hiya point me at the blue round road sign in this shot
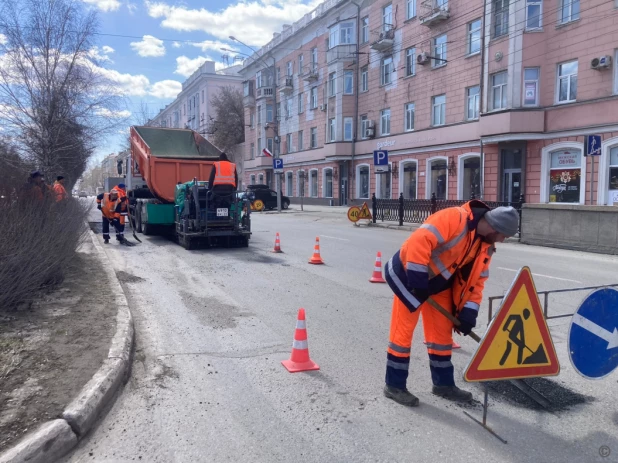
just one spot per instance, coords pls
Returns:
(593, 335)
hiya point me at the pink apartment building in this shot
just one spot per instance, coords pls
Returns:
(497, 107)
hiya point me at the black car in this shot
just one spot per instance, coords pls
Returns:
(267, 196)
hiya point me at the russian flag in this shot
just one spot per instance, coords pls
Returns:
(265, 152)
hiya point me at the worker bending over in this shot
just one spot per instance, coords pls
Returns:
(114, 209)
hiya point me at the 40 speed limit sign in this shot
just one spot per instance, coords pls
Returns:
(354, 214)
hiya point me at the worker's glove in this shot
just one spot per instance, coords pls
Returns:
(98, 206)
(464, 327)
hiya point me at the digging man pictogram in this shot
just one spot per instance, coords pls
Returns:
(517, 337)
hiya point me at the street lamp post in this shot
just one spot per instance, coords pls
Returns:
(276, 118)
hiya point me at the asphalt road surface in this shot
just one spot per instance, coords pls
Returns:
(213, 325)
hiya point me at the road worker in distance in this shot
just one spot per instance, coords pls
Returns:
(446, 259)
(114, 209)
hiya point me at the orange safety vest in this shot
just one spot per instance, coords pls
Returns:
(121, 192)
(113, 209)
(225, 173)
(445, 252)
(59, 191)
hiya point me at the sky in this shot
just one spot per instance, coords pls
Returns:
(150, 47)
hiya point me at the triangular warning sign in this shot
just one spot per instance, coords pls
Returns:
(517, 343)
(364, 212)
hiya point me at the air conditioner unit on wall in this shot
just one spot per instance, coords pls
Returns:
(602, 62)
(422, 58)
(370, 132)
(322, 107)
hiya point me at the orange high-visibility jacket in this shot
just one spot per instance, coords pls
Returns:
(59, 191)
(121, 192)
(445, 252)
(225, 173)
(112, 209)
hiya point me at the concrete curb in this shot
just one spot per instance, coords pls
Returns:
(55, 438)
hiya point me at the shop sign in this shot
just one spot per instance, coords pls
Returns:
(564, 186)
(565, 159)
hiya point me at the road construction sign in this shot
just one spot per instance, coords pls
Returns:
(517, 343)
(364, 212)
(353, 214)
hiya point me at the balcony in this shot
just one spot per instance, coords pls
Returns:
(434, 12)
(341, 53)
(286, 86)
(385, 41)
(310, 73)
(264, 92)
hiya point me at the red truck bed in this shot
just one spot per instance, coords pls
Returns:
(168, 156)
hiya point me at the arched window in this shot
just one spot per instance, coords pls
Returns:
(260, 179)
(469, 176)
(288, 184)
(384, 183)
(362, 181)
(327, 182)
(408, 178)
(437, 178)
(300, 183)
(608, 173)
(564, 173)
(253, 180)
(313, 183)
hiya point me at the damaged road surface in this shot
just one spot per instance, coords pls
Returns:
(213, 325)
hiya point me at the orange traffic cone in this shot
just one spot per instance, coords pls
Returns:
(277, 244)
(299, 360)
(377, 270)
(453, 346)
(316, 259)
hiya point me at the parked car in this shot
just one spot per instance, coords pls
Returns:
(267, 196)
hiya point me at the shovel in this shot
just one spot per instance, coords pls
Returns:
(132, 224)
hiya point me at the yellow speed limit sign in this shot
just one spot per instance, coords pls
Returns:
(354, 213)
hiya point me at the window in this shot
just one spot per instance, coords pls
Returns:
(498, 90)
(565, 173)
(314, 97)
(288, 184)
(252, 151)
(363, 182)
(439, 51)
(471, 181)
(474, 37)
(569, 10)
(385, 122)
(437, 178)
(409, 180)
(385, 70)
(501, 17)
(410, 61)
(301, 64)
(288, 143)
(259, 147)
(270, 145)
(567, 82)
(202, 96)
(342, 34)
(313, 183)
(288, 107)
(383, 184)
(290, 68)
(332, 130)
(534, 10)
(438, 110)
(365, 30)
(364, 124)
(314, 59)
(328, 183)
(410, 9)
(258, 79)
(278, 76)
(300, 103)
(409, 122)
(613, 172)
(348, 124)
(252, 180)
(332, 84)
(364, 78)
(252, 119)
(314, 137)
(279, 110)
(531, 86)
(261, 179)
(348, 82)
(387, 18)
(472, 98)
(615, 73)
(269, 113)
(300, 140)
(259, 115)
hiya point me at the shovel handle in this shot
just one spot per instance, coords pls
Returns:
(450, 316)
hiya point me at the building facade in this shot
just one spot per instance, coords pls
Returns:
(192, 108)
(491, 98)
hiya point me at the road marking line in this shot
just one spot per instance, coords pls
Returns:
(334, 238)
(541, 275)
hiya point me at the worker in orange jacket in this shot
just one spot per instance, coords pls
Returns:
(446, 259)
(59, 190)
(121, 189)
(223, 173)
(114, 210)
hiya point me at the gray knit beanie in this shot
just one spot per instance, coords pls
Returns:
(504, 220)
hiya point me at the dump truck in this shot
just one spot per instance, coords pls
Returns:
(167, 175)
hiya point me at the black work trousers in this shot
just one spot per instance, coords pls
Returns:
(119, 229)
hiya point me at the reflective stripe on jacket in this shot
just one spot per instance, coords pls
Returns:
(112, 209)
(225, 173)
(445, 252)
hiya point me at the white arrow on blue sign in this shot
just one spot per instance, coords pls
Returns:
(277, 164)
(593, 145)
(593, 335)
